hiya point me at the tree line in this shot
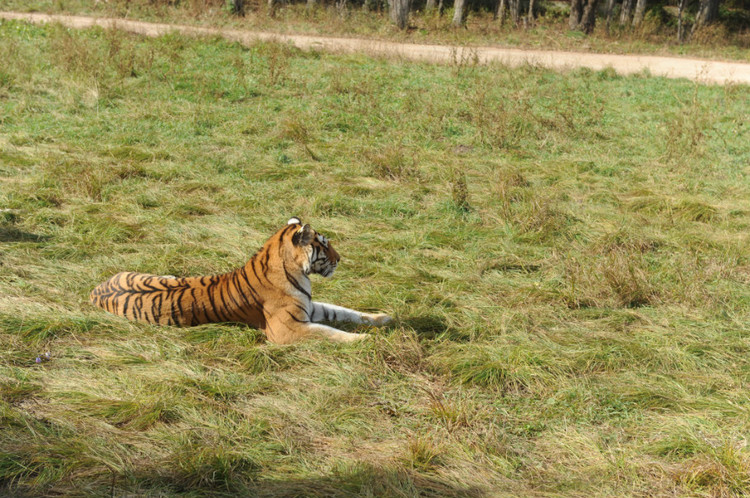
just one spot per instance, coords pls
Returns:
(692, 14)
(583, 14)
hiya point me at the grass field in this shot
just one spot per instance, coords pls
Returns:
(729, 39)
(566, 256)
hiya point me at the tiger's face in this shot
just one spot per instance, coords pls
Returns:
(324, 258)
(317, 253)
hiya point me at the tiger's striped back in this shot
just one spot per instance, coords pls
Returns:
(179, 301)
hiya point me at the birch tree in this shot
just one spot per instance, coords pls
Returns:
(708, 12)
(530, 14)
(576, 10)
(515, 11)
(640, 11)
(399, 12)
(500, 12)
(458, 13)
(588, 20)
(582, 15)
(627, 6)
(610, 9)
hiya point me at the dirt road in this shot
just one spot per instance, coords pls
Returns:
(704, 71)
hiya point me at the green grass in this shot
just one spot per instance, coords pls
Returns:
(566, 256)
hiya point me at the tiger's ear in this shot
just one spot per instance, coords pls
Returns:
(294, 221)
(303, 236)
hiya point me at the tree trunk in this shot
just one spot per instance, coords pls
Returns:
(515, 11)
(238, 7)
(680, 29)
(500, 12)
(588, 20)
(576, 9)
(399, 12)
(430, 6)
(458, 13)
(272, 7)
(707, 13)
(610, 9)
(640, 11)
(441, 7)
(625, 12)
(530, 16)
(311, 4)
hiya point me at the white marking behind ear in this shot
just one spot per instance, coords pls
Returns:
(294, 221)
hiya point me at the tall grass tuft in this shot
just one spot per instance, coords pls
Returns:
(460, 191)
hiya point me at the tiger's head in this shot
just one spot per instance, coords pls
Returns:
(313, 251)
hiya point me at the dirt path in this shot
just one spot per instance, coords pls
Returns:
(704, 71)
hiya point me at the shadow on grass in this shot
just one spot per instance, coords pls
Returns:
(10, 234)
(371, 482)
(42, 464)
(362, 480)
(363, 483)
(426, 326)
(432, 326)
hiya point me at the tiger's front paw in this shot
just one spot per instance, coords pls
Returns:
(378, 319)
(357, 337)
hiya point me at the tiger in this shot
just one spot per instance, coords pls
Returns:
(271, 292)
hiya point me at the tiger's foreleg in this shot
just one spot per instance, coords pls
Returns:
(332, 313)
(334, 333)
(287, 326)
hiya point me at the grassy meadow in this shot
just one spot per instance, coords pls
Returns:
(566, 255)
